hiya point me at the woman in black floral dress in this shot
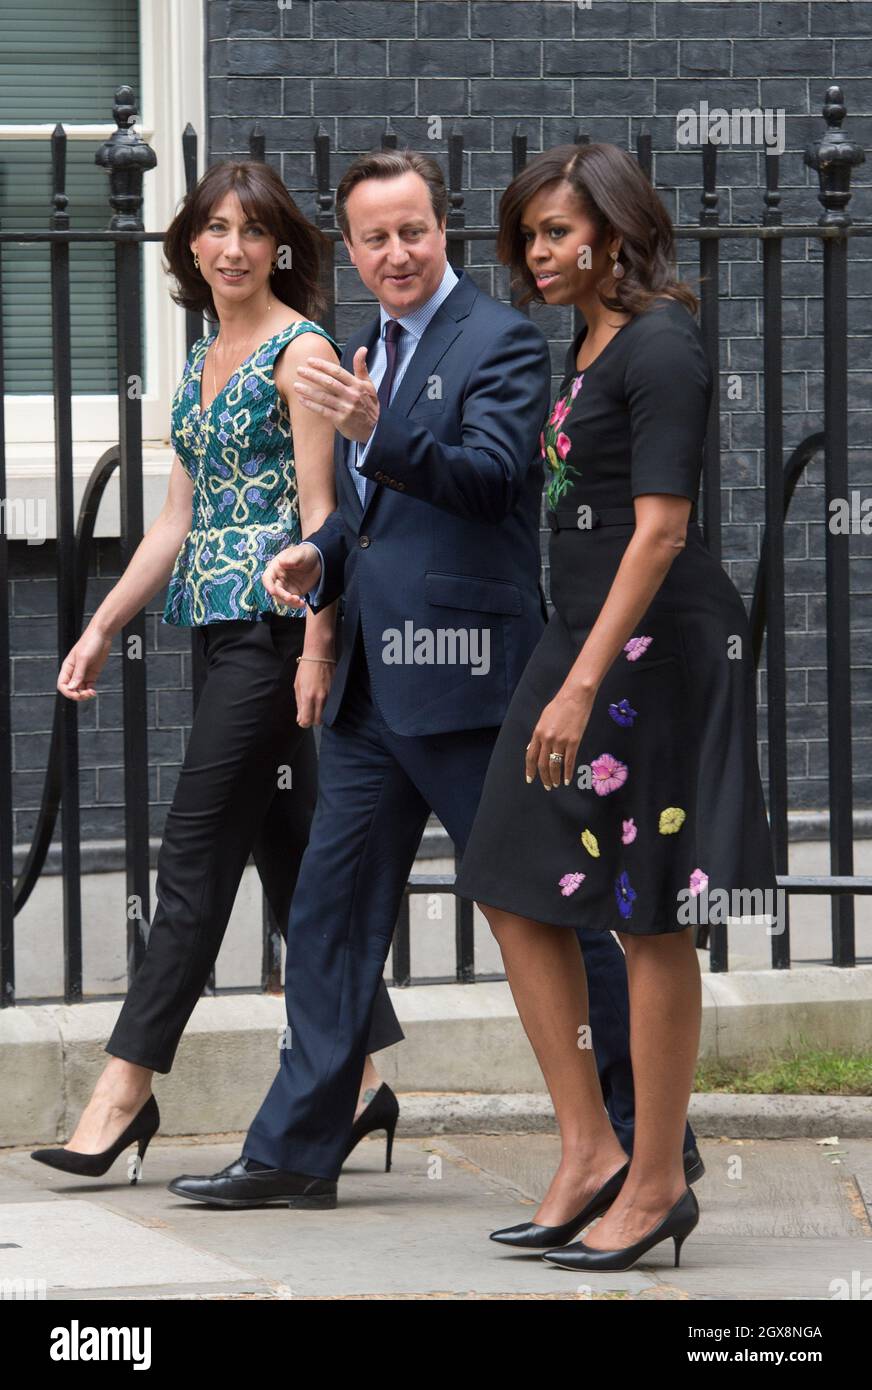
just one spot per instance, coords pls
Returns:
(623, 792)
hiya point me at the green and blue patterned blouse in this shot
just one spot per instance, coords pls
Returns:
(239, 454)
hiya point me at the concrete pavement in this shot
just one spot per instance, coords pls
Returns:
(783, 1219)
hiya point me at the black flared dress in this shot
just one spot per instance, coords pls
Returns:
(663, 823)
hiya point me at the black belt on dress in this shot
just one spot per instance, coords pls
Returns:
(565, 520)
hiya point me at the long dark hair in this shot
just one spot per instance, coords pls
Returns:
(263, 197)
(614, 193)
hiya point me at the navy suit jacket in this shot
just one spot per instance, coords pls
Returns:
(447, 539)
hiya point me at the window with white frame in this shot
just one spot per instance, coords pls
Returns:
(63, 63)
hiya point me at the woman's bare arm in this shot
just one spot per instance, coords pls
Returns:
(313, 459)
(661, 528)
(149, 569)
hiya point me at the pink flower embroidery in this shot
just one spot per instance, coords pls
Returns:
(576, 386)
(542, 444)
(630, 832)
(608, 774)
(698, 881)
(570, 882)
(636, 646)
(564, 444)
(559, 413)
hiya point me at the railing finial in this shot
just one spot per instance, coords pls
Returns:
(834, 156)
(125, 156)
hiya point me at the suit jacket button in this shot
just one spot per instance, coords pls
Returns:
(363, 542)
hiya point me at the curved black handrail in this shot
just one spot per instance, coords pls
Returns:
(793, 469)
(795, 466)
(51, 790)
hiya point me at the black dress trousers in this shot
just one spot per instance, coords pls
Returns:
(228, 804)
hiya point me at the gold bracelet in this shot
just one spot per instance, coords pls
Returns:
(331, 659)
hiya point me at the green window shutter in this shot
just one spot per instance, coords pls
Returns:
(60, 63)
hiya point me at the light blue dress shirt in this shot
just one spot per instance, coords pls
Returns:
(414, 324)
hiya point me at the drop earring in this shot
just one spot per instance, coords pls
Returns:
(196, 260)
(617, 268)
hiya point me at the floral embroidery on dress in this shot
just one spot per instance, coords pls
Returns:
(570, 882)
(698, 881)
(609, 773)
(629, 832)
(590, 842)
(636, 646)
(623, 713)
(625, 894)
(555, 445)
(671, 820)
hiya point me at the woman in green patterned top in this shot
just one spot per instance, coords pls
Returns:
(252, 473)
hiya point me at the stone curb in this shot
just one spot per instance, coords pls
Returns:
(465, 1060)
(712, 1115)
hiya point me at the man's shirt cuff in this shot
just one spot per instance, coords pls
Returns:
(314, 595)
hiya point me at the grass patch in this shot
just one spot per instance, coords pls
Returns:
(798, 1071)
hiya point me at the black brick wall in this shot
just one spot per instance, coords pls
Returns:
(553, 67)
(35, 667)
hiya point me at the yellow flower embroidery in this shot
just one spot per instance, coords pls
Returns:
(671, 819)
(589, 841)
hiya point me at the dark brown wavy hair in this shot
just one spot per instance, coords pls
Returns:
(614, 193)
(264, 198)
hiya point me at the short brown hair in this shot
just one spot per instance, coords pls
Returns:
(613, 191)
(263, 198)
(391, 164)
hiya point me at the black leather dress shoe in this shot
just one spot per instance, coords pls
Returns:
(240, 1186)
(693, 1164)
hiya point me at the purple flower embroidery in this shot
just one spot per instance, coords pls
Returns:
(698, 881)
(609, 773)
(625, 894)
(570, 882)
(576, 385)
(623, 713)
(629, 832)
(636, 646)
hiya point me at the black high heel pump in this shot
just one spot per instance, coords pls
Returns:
(382, 1112)
(140, 1131)
(529, 1235)
(678, 1223)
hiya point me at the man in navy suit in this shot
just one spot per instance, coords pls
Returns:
(435, 548)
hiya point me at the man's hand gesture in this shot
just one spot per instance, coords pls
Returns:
(350, 401)
(292, 573)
